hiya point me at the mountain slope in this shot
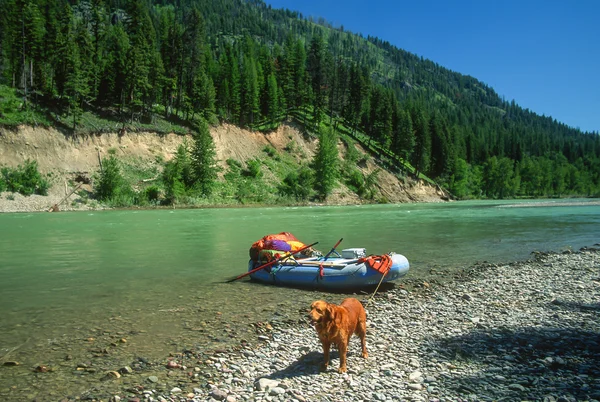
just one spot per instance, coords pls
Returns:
(239, 62)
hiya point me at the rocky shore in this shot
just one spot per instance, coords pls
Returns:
(510, 332)
(15, 202)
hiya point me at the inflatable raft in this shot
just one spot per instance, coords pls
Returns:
(336, 273)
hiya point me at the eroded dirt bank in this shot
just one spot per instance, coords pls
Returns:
(67, 158)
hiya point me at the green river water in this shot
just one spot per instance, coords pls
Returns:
(73, 284)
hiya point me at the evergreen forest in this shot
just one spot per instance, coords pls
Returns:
(199, 62)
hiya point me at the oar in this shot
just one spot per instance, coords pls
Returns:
(333, 249)
(268, 264)
(322, 266)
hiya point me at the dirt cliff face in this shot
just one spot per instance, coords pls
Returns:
(66, 157)
(59, 154)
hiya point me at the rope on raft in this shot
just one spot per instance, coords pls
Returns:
(381, 264)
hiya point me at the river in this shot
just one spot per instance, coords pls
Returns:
(154, 279)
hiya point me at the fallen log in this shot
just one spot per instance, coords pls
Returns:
(54, 208)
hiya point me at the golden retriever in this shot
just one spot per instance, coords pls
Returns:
(336, 324)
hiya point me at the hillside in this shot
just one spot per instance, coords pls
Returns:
(91, 67)
(70, 160)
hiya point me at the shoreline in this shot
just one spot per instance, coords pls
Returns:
(526, 330)
(18, 203)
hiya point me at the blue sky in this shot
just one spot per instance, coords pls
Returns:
(543, 54)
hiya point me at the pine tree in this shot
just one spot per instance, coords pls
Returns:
(441, 148)
(339, 88)
(98, 33)
(272, 97)
(204, 160)
(222, 87)
(171, 52)
(326, 164)
(73, 78)
(380, 117)
(317, 70)
(422, 151)
(250, 92)
(87, 67)
(184, 165)
(8, 42)
(140, 56)
(287, 69)
(111, 183)
(234, 96)
(354, 107)
(75, 87)
(268, 69)
(173, 182)
(114, 80)
(193, 59)
(34, 32)
(403, 138)
(203, 95)
(499, 180)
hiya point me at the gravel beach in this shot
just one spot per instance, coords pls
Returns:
(509, 332)
(15, 202)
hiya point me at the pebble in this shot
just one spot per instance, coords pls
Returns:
(113, 374)
(125, 370)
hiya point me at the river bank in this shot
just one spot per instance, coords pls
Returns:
(518, 331)
(15, 202)
(67, 161)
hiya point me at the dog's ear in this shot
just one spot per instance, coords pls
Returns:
(331, 311)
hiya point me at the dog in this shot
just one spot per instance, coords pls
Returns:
(336, 324)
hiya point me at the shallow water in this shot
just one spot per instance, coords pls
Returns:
(74, 282)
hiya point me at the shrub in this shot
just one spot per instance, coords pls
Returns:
(234, 163)
(151, 194)
(269, 150)
(25, 179)
(370, 184)
(355, 181)
(173, 182)
(297, 184)
(111, 184)
(10, 102)
(292, 147)
(125, 198)
(234, 170)
(254, 169)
